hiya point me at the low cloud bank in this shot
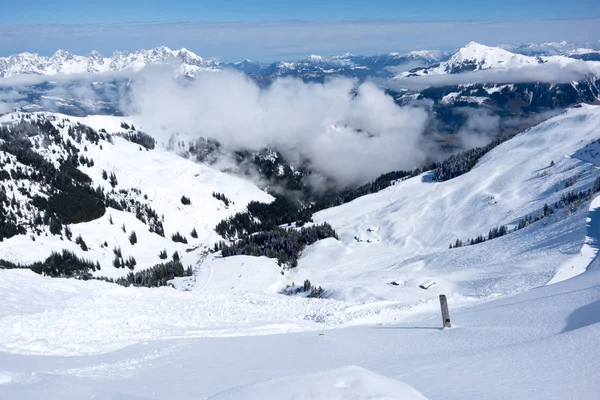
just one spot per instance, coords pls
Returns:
(544, 73)
(348, 132)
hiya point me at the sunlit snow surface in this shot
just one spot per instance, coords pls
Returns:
(233, 336)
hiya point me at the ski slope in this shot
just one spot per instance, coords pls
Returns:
(230, 334)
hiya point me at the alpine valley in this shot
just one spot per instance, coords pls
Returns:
(166, 241)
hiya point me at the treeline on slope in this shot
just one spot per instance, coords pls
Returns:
(156, 276)
(141, 138)
(285, 244)
(258, 229)
(71, 198)
(286, 209)
(67, 264)
(571, 202)
(461, 163)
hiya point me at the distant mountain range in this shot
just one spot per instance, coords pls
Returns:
(510, 98)
(313, 68)
(188, 63)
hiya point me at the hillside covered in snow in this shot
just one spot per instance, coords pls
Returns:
(336, 294)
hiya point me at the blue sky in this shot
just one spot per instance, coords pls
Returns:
(268, 30)
(119, 11)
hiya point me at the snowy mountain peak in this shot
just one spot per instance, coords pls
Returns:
(488, 57)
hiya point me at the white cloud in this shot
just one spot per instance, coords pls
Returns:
(479, 129)
(319, 122)
(545, 73)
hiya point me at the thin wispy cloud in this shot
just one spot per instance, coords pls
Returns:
(544, 73)
(268, 41)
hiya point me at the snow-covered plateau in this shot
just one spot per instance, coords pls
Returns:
(524, 306)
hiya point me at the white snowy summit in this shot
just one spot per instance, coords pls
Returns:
(475, 56)
(64, 62)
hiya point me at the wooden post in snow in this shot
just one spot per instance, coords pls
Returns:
(445, 312)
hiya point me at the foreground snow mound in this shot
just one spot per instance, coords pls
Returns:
(346, 383)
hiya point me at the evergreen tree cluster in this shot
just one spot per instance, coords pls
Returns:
(156, 276)
(494, 233)
(286, 210)
(281, 243)
(71, 198)
(222, 197)
(177, 237)
(185, 201)
(307, 289)
(121, 262)
(59, 265)
(141, 138)
(79, 240)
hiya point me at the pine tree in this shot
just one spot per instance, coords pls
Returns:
(163, 254)
(113, 180)
(176, 256)
(133, 238)
(55, 226)
(177, 237)
(68, 233)
(194, 234)
(81, 243)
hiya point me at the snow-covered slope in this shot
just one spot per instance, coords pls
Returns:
(157, 178)
(537, 341)
(537, 344)
(402, 233)
(63, 62)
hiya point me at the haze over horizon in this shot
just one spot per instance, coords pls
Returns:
(265, 30)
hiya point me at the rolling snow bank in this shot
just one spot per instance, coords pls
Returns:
(347, 383)
(539, 344)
